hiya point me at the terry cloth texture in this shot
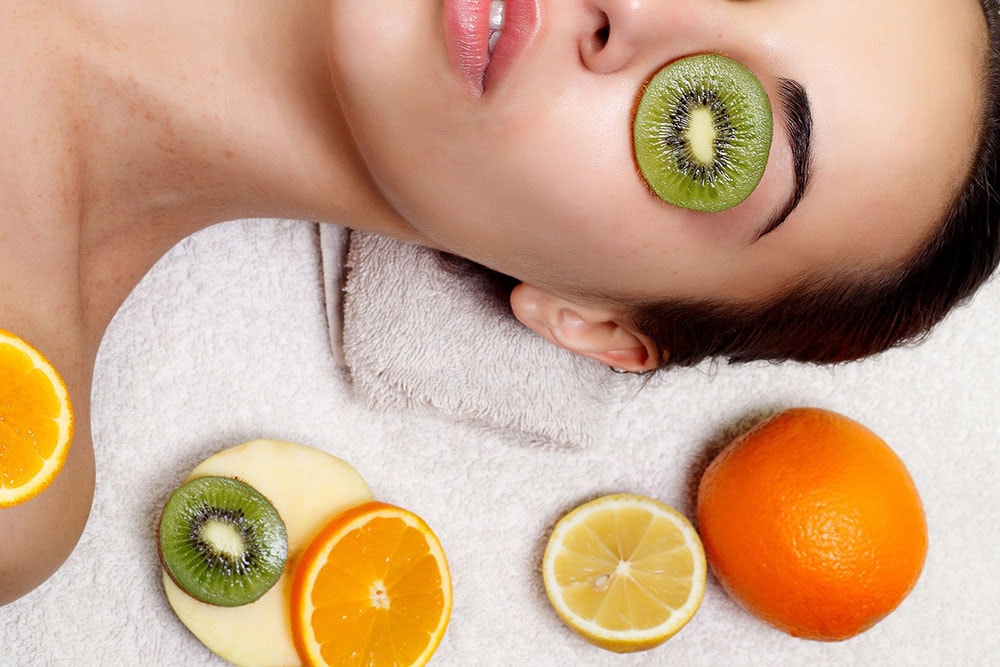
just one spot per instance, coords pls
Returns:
(415, 333)
(227, 339)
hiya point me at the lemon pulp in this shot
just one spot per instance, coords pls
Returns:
(624, 571)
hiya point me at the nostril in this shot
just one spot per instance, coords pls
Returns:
(605, 53)
(597, 50)
(603, 33)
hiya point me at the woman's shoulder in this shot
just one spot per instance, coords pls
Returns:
(41, 302)
(38, 305)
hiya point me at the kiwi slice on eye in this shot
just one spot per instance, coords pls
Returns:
(222, 541)
(702, 133)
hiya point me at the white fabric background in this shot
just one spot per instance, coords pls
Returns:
(226, 341)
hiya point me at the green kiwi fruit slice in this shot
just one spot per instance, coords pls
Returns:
(222, 541)
(702, 133)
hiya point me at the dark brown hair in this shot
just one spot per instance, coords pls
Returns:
(842, 320)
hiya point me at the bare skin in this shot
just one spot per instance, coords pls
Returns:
(128, 126)
(107, 166)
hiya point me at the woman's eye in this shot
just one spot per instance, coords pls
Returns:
(702, 133)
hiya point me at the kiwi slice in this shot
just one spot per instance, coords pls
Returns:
(222, 541)
(702, 133)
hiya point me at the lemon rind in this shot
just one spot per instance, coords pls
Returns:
(632, 639)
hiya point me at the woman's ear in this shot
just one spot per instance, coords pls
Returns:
(596, 332)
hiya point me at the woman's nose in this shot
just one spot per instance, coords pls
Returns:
(627, 32)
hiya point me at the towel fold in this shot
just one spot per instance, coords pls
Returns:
(413, 333)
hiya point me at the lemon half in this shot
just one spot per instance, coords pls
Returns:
(626, 572)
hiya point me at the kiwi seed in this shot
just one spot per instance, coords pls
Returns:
(702, 133)
(222, 541)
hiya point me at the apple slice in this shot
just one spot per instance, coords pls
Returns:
(308, 487)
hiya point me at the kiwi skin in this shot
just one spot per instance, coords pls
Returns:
(741, 116)
(204, 570)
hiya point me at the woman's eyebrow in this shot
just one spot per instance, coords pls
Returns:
(798, 125)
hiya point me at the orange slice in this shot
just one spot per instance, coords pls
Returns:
(36, 421)
(373, 588)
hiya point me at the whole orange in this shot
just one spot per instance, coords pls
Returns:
(812, 523)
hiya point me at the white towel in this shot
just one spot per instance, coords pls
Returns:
(416, 334)
(227, 340)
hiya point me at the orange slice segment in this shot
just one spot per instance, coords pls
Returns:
(373, 588)
(36, 421)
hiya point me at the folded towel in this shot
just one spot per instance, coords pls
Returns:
(414, 333)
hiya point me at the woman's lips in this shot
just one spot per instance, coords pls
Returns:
(474, 27)
(465, 23)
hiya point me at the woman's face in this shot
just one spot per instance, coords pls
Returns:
(530, 169)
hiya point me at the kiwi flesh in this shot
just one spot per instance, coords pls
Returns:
(221, 541)
(702, 133)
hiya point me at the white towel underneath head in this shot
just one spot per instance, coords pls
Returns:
(416, 334)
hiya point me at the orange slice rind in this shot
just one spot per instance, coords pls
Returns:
(372, 589)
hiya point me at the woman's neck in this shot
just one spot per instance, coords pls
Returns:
(135, 124)
(196, 112)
